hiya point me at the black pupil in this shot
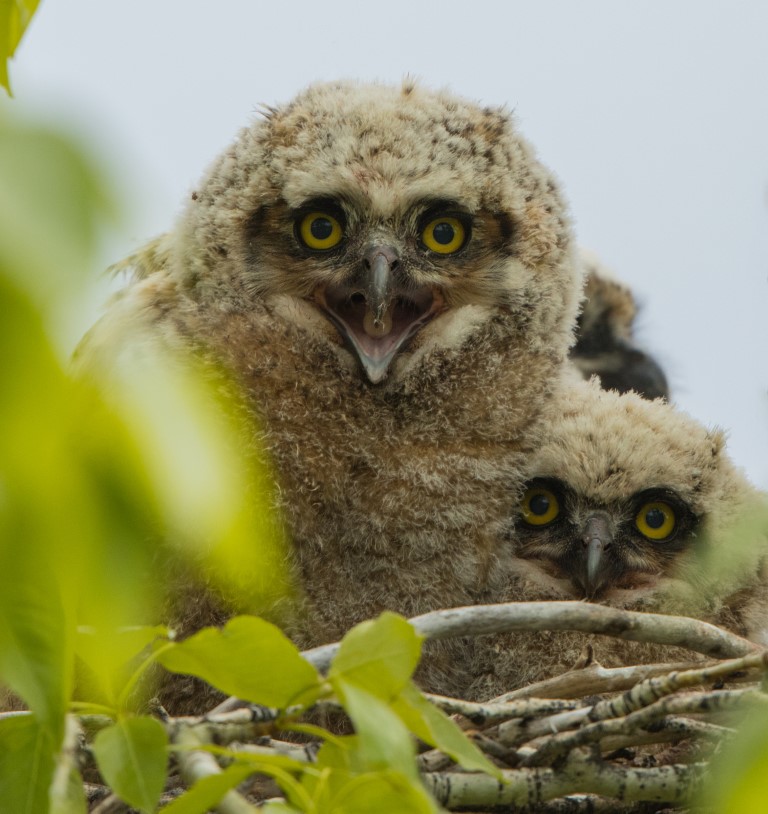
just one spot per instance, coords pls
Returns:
(443, 233)
(539, 505)
(321, 228)
(655, 518)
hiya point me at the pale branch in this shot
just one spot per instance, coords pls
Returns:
(489, 712)
(521, 730)
(667, 730)
(243, 723)
(195, 764)
(515, 732)
(481, 620)
(306, 753)
(652, 689)
(689, 704)
(433, 760)
(577, 774)
(594, 679)
(573, 804)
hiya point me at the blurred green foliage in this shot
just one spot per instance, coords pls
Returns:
(738, 782)
(97, 474)
(15, 16)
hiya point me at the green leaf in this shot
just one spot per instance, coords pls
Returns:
(284, 770)
(384, 793)
(15, 16)
(378, 655)
(132, 757)
(206, 793)
(27, 763)
(105, 657)
(335, 765)
(383, 742)
(343, 783)
(736, 781)
(35, 636)
(249, 658)
(434, 727)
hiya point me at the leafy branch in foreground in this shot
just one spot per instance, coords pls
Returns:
(525, 752)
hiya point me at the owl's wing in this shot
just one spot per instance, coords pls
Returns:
(152, 257)
(128, 326)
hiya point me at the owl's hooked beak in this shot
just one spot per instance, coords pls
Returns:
(377, 313)
(595, 567)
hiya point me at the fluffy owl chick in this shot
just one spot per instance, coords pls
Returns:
(633, 504)
(606, 345)
(388, 274)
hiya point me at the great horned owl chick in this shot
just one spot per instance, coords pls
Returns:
(388, 274)
(606, 345)
(630, 503)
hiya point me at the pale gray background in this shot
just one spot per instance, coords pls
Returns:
(654, 115)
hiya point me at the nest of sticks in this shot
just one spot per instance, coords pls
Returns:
(594, 739)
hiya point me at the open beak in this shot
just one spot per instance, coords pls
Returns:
(376, 313)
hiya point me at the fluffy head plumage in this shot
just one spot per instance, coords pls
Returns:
(382, 159)
(610, 453)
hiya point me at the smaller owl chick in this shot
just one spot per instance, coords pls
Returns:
(633, 504)
(605, 336)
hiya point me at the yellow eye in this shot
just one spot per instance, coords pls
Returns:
(656, 520)
(540, 506)
(320, 231)
(444, 235)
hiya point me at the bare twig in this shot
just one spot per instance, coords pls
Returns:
(242, 724)
(594, 679)
(691, 703)
(302, 753)
(491, 711)
(667, 730)
(519, 731)
(646, 692)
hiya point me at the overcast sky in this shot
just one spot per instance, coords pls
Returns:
(654, 115)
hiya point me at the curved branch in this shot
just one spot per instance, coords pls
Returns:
(481, 620)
